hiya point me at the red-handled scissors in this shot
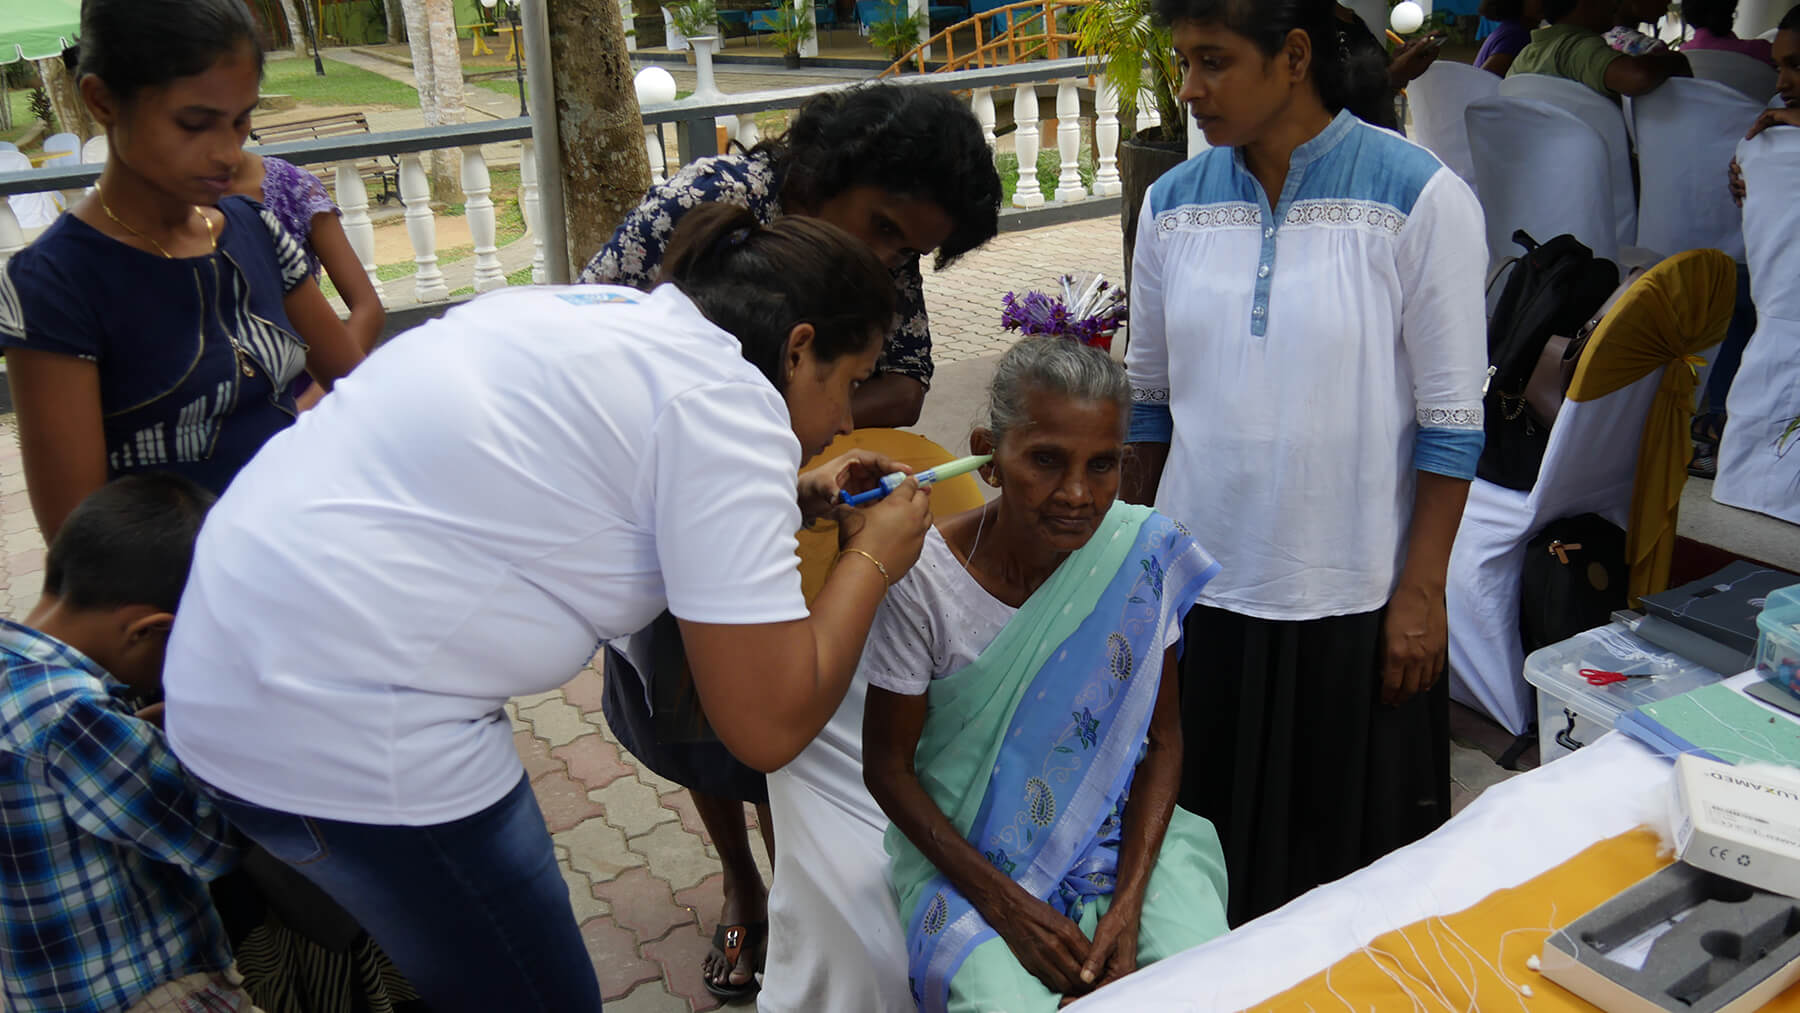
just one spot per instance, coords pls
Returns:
(1601, 677)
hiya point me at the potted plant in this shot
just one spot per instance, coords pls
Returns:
(688, 20)
(1136, 56)
(793, 27)
(897, 30)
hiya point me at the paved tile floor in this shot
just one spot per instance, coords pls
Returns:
(643, 875)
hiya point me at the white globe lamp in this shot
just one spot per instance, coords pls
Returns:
(1407, 18)
(655, 86)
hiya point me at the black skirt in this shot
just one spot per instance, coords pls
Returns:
(1289, 750)
(675, 740)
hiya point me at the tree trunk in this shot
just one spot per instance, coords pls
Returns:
(396, 21)
(599, 128)
(418, 40)
(65, 99)
(437, 72)
(295, 25)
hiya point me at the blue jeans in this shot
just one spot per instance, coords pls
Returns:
(474, 912)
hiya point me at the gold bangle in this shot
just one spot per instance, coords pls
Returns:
(884, 574)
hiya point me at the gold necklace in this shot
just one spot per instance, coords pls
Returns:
(210, 234)
(237, 350)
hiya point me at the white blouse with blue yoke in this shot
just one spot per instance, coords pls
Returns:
(1303, 362)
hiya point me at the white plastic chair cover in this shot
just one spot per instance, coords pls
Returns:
(94, 151)
(8, 146)
(33, 210)
(1756, 470)
(1608, 121)
(835, 941)
(1586, 469)
(1439, 98)
(1742, 73)
(62, 148)
(1541, 169)
(1688, 131)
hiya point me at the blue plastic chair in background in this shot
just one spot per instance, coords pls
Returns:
(944, 15)
(999, 23)
(870, 13)
(735, 24)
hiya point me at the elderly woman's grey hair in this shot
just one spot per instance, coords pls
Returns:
(1052, 365)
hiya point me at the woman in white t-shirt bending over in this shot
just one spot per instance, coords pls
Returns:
(499, 490)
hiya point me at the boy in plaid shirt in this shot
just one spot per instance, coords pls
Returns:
(105, 843)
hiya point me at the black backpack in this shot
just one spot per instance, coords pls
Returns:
(1575, 577)
(1555, 288)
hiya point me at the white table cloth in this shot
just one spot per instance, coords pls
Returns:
(1514, 832)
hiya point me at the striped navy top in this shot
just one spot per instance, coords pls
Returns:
(195, 354)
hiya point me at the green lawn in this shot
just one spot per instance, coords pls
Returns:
(342, 85)
(21, 115)
(504, 86)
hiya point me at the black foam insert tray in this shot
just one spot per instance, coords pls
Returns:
(1724, 946)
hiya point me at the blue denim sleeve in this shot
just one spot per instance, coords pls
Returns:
(1150, 424)
(1449, 452)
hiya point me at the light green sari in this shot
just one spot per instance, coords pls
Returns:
(1030, 751)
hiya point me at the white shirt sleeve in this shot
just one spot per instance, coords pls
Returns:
(898, 656)
(725, 505)
(1442, 260)
(1147, 355)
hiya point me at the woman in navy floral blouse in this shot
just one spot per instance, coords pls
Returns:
(907, 171)
(903, 169)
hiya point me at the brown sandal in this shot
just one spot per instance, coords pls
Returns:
(730, 942)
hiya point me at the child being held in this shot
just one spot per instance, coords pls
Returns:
(107, 845)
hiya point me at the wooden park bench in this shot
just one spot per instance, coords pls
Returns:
(384, 169)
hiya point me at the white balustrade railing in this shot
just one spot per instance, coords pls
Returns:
(697, 123)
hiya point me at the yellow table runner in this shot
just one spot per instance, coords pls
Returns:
(1456, 963)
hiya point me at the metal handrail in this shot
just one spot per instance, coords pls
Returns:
(1036, 42)
(333, 149)
(693, 117)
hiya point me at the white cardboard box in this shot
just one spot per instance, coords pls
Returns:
(1743, 825)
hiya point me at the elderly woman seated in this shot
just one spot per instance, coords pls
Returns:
(1022, 727)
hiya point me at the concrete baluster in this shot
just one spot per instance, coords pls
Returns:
(982, 102)
(1068, 143)
(421, 228)
(1106, 137)
(1148, 114)
(353, 201)
(478, 206)
(12, 237)
(529, 203)
(1025, 141)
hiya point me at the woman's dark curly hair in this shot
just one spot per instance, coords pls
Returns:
(911, 140)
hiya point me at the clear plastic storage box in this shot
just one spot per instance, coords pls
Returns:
(1572, 712)
(1778, 639)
